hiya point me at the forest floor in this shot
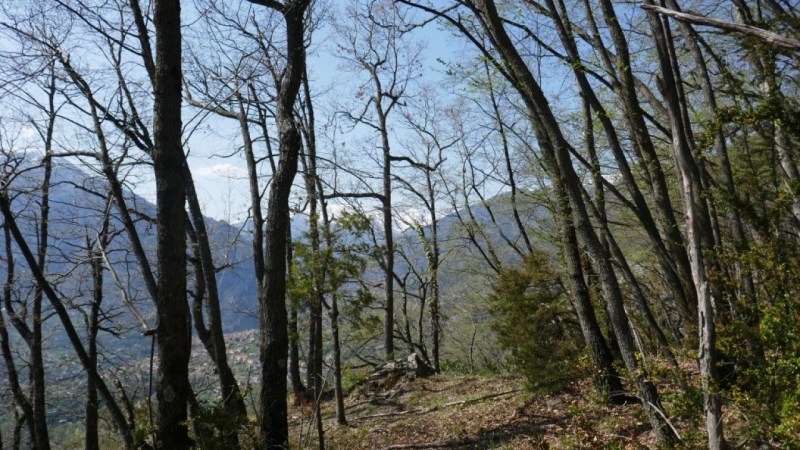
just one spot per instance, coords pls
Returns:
(479, 412)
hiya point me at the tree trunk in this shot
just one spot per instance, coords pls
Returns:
(316, 369)
(697, 225)
(433, 268)
(557, 159)
(273, 425)
(232, 399)
(641, 208)
(274, 333)
(294, 334)
(8, 357)
(91, 440)
(258, 241)
(341, 419)
(19, 422)
(172, 309)
(388, 234)
(122, 425)
(274, 429)
(37, 358)
(649, 163)
(607, 380)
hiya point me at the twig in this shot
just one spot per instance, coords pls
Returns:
(663, 416)
(122, 290)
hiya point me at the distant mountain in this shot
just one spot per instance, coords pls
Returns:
(494, 228)
(77, 205)
(78, 202)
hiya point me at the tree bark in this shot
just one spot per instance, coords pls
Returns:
(315, 370)
(740, 240)
(273, 425)
(388, 234)
(433, 269)
(641, 208)
(172, 309)
(341, 418)
(8, 357)
(37, 374)
(649, 163)
(607, 379)
(697, 230)
(91, 440)
(232, 399)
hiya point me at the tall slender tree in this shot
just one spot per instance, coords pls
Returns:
(374, 45)
(273, 425)
(173, 326)
(698, 230)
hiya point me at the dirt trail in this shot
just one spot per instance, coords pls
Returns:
(471, 412)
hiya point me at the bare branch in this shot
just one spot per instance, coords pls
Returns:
(374, 195)
(768, 36)
(278, 6)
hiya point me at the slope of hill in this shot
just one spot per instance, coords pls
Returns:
(77, 205)
(77, 208)
(457, 411)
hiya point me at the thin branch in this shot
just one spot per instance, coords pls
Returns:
(278, 6)
(374, 195)
(125, 298)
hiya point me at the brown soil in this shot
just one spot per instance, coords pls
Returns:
(472, 412)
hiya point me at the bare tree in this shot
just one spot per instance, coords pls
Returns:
(121, 422)
(430, 135)
(174, 322)
(698, 229)
(15, 385)
(43, 81)
(315, 369)
(373, 44)
(273, 426)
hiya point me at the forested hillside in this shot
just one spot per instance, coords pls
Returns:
(399, 224)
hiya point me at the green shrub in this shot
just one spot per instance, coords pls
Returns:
(535, 324)
(766, 385)
(214, 423)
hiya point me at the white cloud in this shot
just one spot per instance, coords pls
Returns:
(223, 170)
(336, 209)
(222, 189)
(28, 133)
(408, 216)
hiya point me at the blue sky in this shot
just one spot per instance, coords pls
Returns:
(222, 183)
